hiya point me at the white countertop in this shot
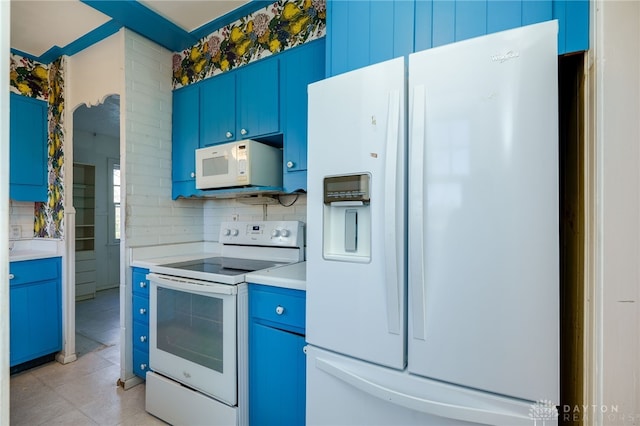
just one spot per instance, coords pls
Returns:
(36, 248)
(292, 276)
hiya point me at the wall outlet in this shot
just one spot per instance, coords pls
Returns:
(16, 231)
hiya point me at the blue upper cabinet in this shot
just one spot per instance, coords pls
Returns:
(218, 110)
(28, 149)
(299, 67)
(185, 139)
(258, 108)
(241, 104)
(365, 32)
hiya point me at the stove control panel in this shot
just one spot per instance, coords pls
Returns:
(273, 233)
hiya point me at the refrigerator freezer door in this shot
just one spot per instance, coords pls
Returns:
(483, 213)
(344, 391)
(356, 274)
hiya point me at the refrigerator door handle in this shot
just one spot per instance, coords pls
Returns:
(417, 170)
(391, 216)
(423, 405)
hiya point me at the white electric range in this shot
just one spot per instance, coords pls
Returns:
(198, 324)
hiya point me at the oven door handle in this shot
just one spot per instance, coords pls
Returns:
(194, 286)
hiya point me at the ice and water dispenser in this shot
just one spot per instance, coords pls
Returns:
(347, 218)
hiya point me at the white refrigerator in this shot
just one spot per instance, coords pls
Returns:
(433, 237)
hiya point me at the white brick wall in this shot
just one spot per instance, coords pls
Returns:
(151, 217)
(216, 211)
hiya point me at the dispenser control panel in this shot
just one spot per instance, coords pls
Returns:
(347, 188)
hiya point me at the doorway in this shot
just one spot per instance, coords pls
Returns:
(96, 199)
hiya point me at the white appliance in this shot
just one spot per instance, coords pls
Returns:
(198, 324)
(242, 163)
(433, 251)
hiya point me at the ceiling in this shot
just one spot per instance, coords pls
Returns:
(46, 29)
(38, 26)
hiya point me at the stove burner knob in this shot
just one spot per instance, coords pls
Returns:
(226, 232)
(275, 233)
(285, 233)
(234, 232)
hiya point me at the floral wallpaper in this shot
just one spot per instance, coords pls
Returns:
(276, 27)
(28, 77)
(46, 82)
(49, 216)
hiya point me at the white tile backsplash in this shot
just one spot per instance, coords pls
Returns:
(217, 211)
(21, 213)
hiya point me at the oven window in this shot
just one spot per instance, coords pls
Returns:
(189, 326)
(215, 166)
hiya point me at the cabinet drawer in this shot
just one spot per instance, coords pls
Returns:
(141, 336)
(140, 363)
(140, 283)
(141, 309)
(29, 271)
(277, 305)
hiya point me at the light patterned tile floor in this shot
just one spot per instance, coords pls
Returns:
(84, 392)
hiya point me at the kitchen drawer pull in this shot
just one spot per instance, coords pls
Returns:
(290, 164)
(243, 132)
(229, 135)
(143, 339)
(11, 276)
(143, 311)
(143, 284)
(143, 367)
(279, 310)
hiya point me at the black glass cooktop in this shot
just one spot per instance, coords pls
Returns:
(223, 265)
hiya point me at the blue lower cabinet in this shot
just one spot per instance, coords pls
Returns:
(140, 304)
(35, 305)
(277, 374)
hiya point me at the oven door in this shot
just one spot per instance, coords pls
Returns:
(192, 334)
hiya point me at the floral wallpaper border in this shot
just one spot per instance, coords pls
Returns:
(270, 30)
(30, 78)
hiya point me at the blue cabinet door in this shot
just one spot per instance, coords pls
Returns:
(28, 149)
(257, 88)
(218, 109)
(299, 67)
(35, 309)
(277, 377)
(185, 134)
(277, 374)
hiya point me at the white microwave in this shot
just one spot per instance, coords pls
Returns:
(242, 163)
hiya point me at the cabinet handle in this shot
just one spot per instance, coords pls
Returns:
(244, 132)
(193, 174)
(290, 164)
(143, 311)
(11, 276)
(229, 135)
(279, 310)
(143, 284)
(143, 339)
(143, 366)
